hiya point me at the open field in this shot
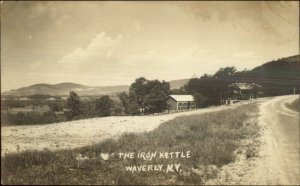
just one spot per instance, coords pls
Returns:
(38, 109)
(254, 142)
(211, 137)
(84, 132)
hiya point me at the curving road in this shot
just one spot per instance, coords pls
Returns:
(280, 149)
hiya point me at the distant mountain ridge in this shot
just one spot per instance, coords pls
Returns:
(63, 89)
(284, 71)
(277, 77)
(176, 84)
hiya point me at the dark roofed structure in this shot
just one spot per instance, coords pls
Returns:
(244, 91)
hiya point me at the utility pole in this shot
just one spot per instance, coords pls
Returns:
(294, 90)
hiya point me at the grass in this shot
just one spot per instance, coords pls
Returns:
(251, 152)
(212, 139)
(294, 105)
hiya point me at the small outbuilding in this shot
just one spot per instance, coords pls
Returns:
(181, 102)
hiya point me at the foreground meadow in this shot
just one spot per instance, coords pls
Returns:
(74, 134)
(211, 139)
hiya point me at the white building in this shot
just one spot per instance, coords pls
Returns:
(24, 99)
(51, 99)
(181, 102)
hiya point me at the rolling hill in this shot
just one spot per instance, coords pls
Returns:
(284, 69)
(176, 84)
(278, 76)
(62, 89)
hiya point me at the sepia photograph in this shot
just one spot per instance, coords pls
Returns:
(150, 93)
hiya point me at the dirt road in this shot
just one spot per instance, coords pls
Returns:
(277, 161)
(280, 149)
(79, 133)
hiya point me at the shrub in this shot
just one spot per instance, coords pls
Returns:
(30, 118)
(295, 105)
(104, 106)
(73, 105)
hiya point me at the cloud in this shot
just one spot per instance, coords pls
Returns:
(243, 54)
(137, 26)
(100, 48)
(152, 57)
(36, 65)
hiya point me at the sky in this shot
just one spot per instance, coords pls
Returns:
(113, 43)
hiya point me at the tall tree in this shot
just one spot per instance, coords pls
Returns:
(73, 105)
(129, 103)
(139, 89)
(207, 90)
(223, 72)
(104, 106)
(151, 95)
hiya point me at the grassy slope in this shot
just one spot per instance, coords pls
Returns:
(294, 105)
(212, 139)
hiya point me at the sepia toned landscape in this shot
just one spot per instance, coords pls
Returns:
(150, 93)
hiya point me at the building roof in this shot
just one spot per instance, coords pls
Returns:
(256, 85)
(182, 97)
(24, 99)
(51, 99)
(245, 86)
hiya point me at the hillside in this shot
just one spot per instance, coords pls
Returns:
(176, 84)
(283, 72)
(64, 89)
(281, 69)
(278, 77)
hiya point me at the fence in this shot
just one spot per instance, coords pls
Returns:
(165, 112)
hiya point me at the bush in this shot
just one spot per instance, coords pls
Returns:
(295, 105)
(104, 106)
(73, 105)
(129, 103)
(56, 106)
(30, 118)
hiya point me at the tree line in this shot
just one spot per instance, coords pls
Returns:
(144, 97)
(150, 96)
(208, 89)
